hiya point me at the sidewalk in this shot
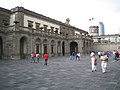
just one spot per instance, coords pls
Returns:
(60, 74)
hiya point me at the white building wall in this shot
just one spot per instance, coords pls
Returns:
(12, 19)
(42, 22)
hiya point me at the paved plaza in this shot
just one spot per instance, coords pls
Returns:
(60, 74)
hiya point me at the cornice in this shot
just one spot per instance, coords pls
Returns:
(5, 10)
(28, 12)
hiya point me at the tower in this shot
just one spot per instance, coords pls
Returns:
(93, 30)
(101, 28)
(93, 27)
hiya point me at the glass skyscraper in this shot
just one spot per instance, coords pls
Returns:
(101, 28)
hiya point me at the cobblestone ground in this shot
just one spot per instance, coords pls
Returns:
(60, 74)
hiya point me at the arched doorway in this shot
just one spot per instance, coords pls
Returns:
(38, 45)
(63, 48)
(1, 48)
(59, 48)
(73, 47)
(45, 43)
(23, 47)
(52, 48)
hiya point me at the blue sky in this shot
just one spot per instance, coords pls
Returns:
(78, 11)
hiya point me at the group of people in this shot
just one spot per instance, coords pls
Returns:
(75, 56)
(104, 60)
(35, 57)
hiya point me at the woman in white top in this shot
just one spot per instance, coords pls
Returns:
(93, 62)
(104, 60)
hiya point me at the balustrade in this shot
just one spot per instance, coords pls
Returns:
(39, 31)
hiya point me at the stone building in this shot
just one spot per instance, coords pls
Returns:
(104, 42)
(94, 30)
(23, 31)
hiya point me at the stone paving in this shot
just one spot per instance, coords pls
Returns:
(60, 74)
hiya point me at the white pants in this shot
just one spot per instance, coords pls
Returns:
(93, 66)
(103, 66)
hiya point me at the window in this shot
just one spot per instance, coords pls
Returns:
(37, 25)
(52, 49)
(45, 28)
(56, 30)
(52, 29)
(30, 23)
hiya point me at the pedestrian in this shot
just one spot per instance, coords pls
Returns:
(99, 54)
(46, 58)
(93, 62)
(72, 57)
(32, 57)
(108, 54)
(78, 56)
(114, 54)
(92, 53)
(37, 57)
(104, 61)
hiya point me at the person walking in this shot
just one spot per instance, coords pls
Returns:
(114, 54)
(73, 55)
(32, 57)
(104, 61)
(92, 53)
(46, 58)
(99, 54)
(93, 62)
(78, 56)
(37, 57)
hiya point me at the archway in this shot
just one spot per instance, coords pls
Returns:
(59, 48)
(53, 48)
(73, 47)
(38, 45)
(1, 48)
(63, 48)
(23, 47)
(45, 43)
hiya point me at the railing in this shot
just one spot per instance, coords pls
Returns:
(16, 28)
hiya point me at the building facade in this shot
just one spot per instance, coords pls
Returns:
(23, 31)
(106, 42)
(94, 30)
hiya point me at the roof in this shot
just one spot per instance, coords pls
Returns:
(26, 11)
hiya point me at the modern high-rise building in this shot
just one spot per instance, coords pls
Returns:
(101, 28)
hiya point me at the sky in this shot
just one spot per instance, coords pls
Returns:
(78, 11)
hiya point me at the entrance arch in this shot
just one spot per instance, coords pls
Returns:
(63, 48)
(59, 48)
(52, 47)
(73, 47)
(45, 43)
(1, 47)
(23, 47)
(38, 45)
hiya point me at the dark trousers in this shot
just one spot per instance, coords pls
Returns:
(45, 62)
